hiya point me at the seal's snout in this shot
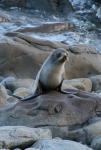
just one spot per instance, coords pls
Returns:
(65, 57)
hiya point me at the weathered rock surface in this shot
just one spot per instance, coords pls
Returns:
(60, 145)
(84, 84)
(24, 52)
(88, 133)
(20, 136)
(57, 111)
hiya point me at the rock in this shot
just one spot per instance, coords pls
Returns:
(19, 83)
(60, 145)
(7, 80)
(20, 136)
(96, 143)
(1, 78)
(54, 110)
(48, 28)
(96, 82)
(22, 92)
(6, 101)
(82, 48)
(82, 62)
(98, 14)
(32, 149)
(94, 130)
(17, 149)
(26, 57)
(94, 120)
(87, 134)
(49, 6)
(4, 149)
(84, 84)
(3, 96)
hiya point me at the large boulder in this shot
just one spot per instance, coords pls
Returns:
(60, 145)
(22, 56)
(21, 136)
(84, 84)
(87, 134)
(55, 110)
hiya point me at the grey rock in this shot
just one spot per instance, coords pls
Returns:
(84, 84)
(96, 82)
(21, 136)
(96, 143)
(59, 145)
(86, 134)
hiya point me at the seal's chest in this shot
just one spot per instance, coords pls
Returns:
(51, 77)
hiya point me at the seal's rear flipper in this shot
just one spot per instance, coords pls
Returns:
(18, 97)
(69, 91)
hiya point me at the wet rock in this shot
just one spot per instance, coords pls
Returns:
(60, 145)
(96, 143)
(4, 17)
(20, 136)
(96, 82)
(84, 84)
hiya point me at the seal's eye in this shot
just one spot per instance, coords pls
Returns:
(59, 55)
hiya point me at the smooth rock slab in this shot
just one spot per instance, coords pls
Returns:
(59, 145)
(21, 136)
(84, 84)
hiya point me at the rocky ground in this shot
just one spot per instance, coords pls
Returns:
(54, 120)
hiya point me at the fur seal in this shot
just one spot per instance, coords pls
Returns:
(51, 74)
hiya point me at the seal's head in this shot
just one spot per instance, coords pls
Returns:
(60, 55)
